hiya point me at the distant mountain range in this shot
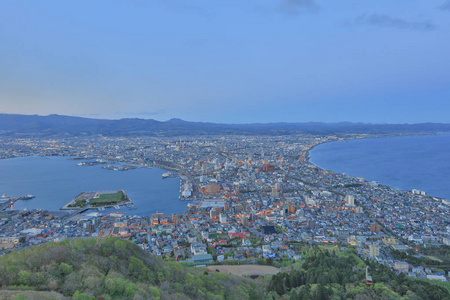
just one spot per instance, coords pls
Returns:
(35, 125)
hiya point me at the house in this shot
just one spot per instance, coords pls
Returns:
(198, 249)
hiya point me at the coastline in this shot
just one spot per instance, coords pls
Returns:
(308, 160)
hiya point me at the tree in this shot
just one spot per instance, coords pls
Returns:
(24, 277)
(65, 269)
(81, 296)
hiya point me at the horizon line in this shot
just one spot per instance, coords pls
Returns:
(220, 123)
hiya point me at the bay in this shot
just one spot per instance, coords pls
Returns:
(56, 180)
(404, 163)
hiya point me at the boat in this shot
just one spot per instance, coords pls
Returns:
(169, 174)
(116, 206)
(27, 197)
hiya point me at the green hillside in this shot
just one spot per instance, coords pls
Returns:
(119, 269)
(330, 275)
(113, 269)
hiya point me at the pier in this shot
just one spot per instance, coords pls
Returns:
(8, 202)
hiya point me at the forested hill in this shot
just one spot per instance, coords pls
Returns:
(119, 269)
(113, 268)
(34, 125)
(330, 275)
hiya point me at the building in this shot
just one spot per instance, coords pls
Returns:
(350, 200)
(342, 234)
(417, 192)
(198, 248)
(292, 209)
(202, 258)
(374, 251)
(374, 227)
(277, 187)
(390, 241)
(446, 241)
(401, 266)
(222, 218)
(238, 208)
(268, 168)
(437, 277)
(159, 218)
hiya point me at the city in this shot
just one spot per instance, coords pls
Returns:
(250, 200)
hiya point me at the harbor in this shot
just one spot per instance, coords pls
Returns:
(53, 189)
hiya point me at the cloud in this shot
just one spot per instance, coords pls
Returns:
(296, 7)
(445, 5)
(387, 21)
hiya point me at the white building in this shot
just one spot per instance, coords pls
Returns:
(350, 200)
(222, 218)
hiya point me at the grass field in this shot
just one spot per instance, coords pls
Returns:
(329, 248)
(105, 199)
(249, 270)
(108, 199)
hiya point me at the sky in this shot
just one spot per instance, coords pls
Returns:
(233, 61)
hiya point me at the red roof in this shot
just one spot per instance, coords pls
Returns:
(237, 234)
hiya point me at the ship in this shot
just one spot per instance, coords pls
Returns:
(169, 174)
(27, 197)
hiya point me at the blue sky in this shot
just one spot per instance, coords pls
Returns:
(234, 61)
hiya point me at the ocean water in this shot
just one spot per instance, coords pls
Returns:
(404, 163)
(56, 180)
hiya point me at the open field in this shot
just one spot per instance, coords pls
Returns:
(249, 270)
(108, 199)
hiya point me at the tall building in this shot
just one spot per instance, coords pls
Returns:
(222, 218)
(374, 227)
(277, 187)
(374, 250)
(350, 200)
(292, 209)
